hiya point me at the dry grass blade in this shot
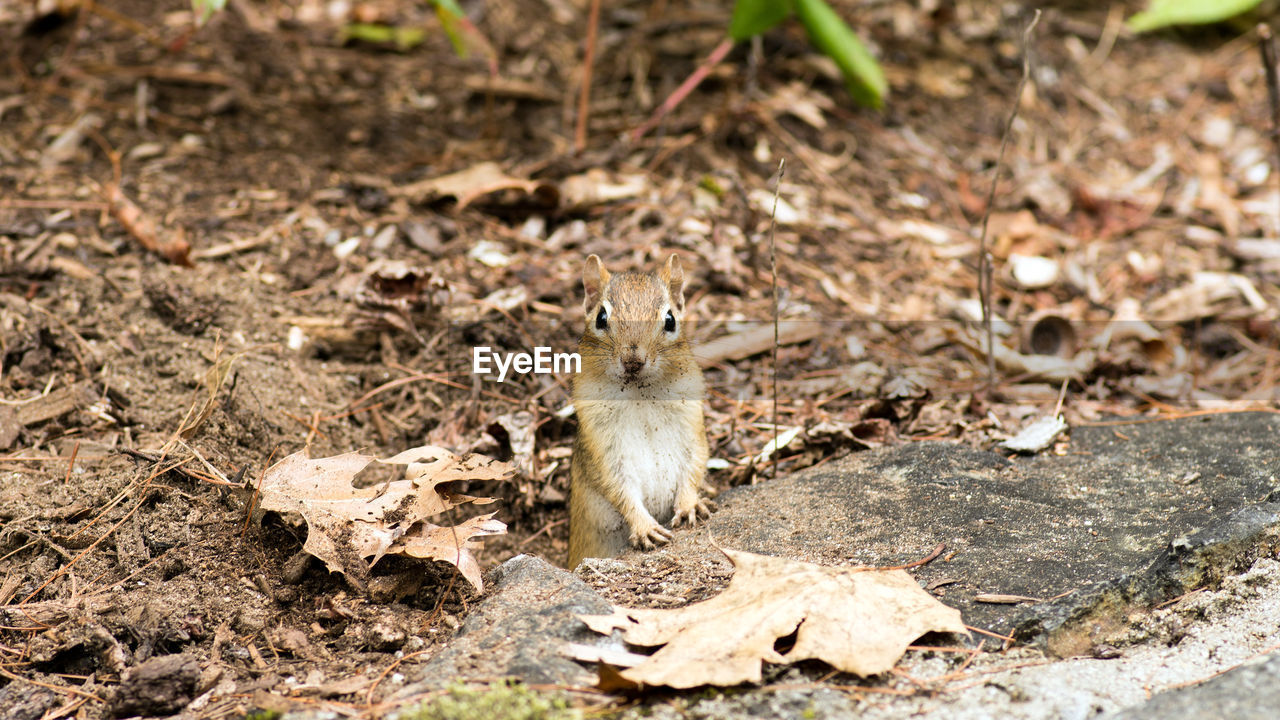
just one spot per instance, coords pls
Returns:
(214, 378)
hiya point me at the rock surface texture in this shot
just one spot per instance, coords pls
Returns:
(1146, 557)
(530, 611)
(1132, 515)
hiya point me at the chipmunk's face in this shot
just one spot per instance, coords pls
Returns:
(634, 320)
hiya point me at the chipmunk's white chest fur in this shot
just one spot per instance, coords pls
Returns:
(651, 454)
(650, 449)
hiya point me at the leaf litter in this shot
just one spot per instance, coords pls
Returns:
(858, 620)
(1130, 217)
(350, 528)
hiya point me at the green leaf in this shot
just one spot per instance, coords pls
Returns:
(752, 17)
(1163, 13)
(451, 17)
(204, 9)
(377, 34)
(862, 74)
(450, 5)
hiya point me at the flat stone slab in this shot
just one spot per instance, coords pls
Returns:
(1249, 692)
(1134, 513)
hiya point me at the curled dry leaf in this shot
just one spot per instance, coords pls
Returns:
(1037, 435)
(478, 181)
(346, 525)
(450, 544)
(857, 620)
(1044, 367)
(596, 187)
(519, 428)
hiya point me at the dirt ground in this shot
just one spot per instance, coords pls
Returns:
(334, 291)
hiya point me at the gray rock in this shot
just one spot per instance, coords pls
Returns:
(1131, 516)
(816, 704)
(1250, 692)
(1124, 521)
(20, 701)
(159, 686)
(518, 630)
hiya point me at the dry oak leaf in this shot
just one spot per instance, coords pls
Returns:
(858, 620)
(346, 525)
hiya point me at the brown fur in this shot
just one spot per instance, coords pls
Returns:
(638, 399)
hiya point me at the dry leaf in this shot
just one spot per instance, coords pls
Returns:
(475, 182)
(347, 525)
(855, 619)
(1044, 367)
(519, 428)
(451, 544)
(1037, 435)
(596, 187)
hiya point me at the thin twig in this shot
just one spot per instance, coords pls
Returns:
(1008, 639)
(71, 464)
(55, 688)
(588, 59)
(937, 551)
(1266, 43)
(686, 87)
(368, 697)
(773, 275)
(67, 568)
(984, 258)
(1062, 396)
(1256, 655)
(257, 490)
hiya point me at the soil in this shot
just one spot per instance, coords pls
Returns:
(331, 308)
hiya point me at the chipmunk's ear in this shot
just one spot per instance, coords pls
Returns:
(594, 278)
(673, 278)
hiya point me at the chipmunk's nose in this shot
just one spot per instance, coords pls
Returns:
(633, 360)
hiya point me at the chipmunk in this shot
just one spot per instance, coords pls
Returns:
(640, 458)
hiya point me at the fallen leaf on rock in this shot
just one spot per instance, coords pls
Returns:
(1037, 435)
(858, 620)
(610, 656)
(347, 525)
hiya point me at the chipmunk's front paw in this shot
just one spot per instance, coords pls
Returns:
(700, 510)
(649, 537)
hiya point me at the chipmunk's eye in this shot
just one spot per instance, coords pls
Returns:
(670, 325)
(602, 319)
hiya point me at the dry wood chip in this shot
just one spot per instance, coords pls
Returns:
(756, 340)
(999, 599)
